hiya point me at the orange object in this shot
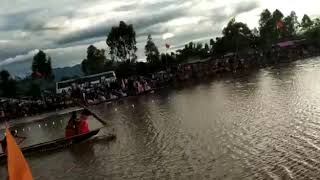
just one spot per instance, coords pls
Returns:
(18, 168)
(280, 24)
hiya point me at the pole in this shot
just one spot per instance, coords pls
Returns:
(92, 112)
(237, 49)
(166, 58)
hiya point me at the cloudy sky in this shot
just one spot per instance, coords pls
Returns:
(65, 28)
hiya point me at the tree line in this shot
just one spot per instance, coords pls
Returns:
(273, 27)
(40, 77)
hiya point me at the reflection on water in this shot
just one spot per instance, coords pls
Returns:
(258, 125)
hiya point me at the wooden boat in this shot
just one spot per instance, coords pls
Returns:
(56, 144)
(62, 142)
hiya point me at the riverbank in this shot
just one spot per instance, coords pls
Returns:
(135, 86)
(257, 125)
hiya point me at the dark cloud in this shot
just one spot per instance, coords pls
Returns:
(126, 7)
(246, 6)
(220, 15)
(140, 23)
(27, 23)
(96, 31)
(35, 26)
(150, 5)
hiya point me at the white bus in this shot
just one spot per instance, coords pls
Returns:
(86, 81)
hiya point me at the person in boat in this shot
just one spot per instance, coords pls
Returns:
(82, 123)
(4, 140)
(71, 129)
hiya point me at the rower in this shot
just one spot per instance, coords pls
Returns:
(82, 123)
(71, 129)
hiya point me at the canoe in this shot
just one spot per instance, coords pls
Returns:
(56, 144)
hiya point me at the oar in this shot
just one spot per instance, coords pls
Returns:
(92, 112)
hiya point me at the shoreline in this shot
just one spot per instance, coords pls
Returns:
(41, 116)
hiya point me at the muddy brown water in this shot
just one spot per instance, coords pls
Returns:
(259, 125)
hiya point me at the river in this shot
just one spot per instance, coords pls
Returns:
(262, 124)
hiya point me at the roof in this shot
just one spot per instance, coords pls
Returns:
(289, 43)
(194, 61)
(286, 44)
(229, 54)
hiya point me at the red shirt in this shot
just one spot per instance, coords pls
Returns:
(71, 129)
(70, 132)
(82, 127)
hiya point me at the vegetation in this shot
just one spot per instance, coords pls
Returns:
(236, 38)
(306, 22)
(122, 42)
(7, 84)
(95, 61)
(41, 78)
(151, 51)
(34, 90)
(4, 75)
(41, 66)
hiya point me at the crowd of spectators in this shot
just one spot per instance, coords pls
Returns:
(16, 108)
(86, 95)
(90, 94)
(101, 92)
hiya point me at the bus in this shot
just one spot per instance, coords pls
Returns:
(86, 81)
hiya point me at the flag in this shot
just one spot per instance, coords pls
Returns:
(18, 168)
(37, 74)
(167, 45)
(280, 24)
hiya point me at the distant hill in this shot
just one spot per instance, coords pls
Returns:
(67, 72)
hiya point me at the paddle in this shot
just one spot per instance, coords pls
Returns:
(92, 112)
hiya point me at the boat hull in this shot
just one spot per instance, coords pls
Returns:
(56, 144)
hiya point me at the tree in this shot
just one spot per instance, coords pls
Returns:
(312, 34)
(278, 26)
(277, 15)
(4, 75)
(168, 60)
(142, 68)
(265, 17)
(266, 28)
(306, 22)
(206, 48)
(212, 42)
(8, 86)
(125, 69)
(236, 37)
(95, 61)
(271, 28)
(109, 65)
(41, 66)
(151, 50)
(291, 24)
(34, 90)
(122, 42)
(316, 22)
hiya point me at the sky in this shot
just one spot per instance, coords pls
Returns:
(65, 28)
